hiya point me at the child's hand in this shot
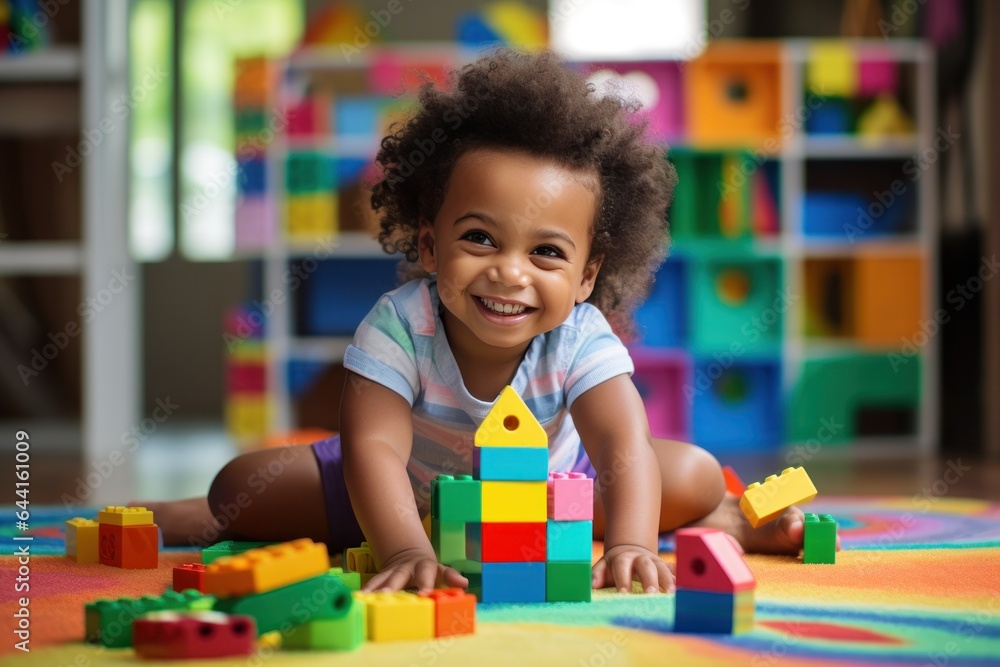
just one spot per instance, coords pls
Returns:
(414, 568)
(625, 562)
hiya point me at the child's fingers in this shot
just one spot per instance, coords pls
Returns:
(452, 577)
(621, 568)
(645, 569)
(665, 576)
(425, 576)
(376, 582)
(598, 579)
(397, 580)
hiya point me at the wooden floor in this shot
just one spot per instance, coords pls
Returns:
(958, 477)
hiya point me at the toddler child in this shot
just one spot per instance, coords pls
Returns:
(531, 213)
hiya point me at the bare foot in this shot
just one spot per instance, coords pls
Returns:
(784, 535)
(186, 522)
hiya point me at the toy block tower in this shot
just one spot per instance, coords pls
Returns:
(715, 588)
(128, 538)
(517, 533)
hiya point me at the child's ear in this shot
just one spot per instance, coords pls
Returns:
(589, 279)
(425, 246)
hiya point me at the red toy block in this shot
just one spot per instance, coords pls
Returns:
(708, 560)
(189, 575)
(571, 496)
(209, 634)
(734, 484)
(454, 612)
(130, 547)
(512, 543)
(246, 378)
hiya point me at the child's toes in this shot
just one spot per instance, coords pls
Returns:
(789, 530)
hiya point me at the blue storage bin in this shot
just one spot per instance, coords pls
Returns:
(338, 294)
(662, 319)
(833, 116)
(252, 176)
(847, 215)
(737, 404)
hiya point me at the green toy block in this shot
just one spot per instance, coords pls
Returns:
(840, 398)
(322, 597)
(308, 172)
(109, 622)
(229, 548)
(704, 189)
(448, 539)
(350, 579)
(456, 498)
(331, 634)
(821, 540)
(567, 582)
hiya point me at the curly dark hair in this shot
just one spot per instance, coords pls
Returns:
(533, 103)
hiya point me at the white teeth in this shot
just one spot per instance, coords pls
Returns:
(504, 308)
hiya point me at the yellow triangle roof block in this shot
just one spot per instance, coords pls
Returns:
(510, 423)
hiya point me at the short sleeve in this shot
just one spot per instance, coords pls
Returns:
(599, 354)
(383, 351)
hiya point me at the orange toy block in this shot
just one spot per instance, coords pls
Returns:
(190, 575)
(117, 515)
(734, 484)
(129, 547)
(765, 502)
(81, 540)
(454, 612)
(267, 568)
(888, 298)
(708, 560)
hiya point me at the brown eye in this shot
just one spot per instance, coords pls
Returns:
(478, 237)
(548, 251)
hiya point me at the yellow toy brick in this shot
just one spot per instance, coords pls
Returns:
(831, 70)
(81, 540)
(765, 502)
(398, 616)
(515, 502)
(361, 560)
(117, 515)
(509, 423)
(267, 568)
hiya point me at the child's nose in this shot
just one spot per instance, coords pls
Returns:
(509, 271)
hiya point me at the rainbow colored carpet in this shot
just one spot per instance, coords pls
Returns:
(918, 583)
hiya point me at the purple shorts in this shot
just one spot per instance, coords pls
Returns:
(344, 529)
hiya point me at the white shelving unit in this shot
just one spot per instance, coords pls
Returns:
(110, 342)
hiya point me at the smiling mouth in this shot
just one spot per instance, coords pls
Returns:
(503, 308)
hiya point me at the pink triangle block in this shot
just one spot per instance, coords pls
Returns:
(707, 560)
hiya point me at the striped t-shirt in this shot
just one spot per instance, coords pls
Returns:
(402, 345)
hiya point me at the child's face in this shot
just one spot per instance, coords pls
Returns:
(512, 234)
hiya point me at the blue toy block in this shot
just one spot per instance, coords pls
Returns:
(662, 319)
(833, 116)
(513, 582)
(303, 374)
(713, 613)
(252, 176)
(337, 294)
(569, 541)
(844, 216)
(737, 405)
(359, 116)
(510, 464)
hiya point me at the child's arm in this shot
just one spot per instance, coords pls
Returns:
(376, 437)
(611, 421)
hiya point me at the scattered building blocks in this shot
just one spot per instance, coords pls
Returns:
(456, 498)
(505, 464)
(567, 581)
(708, 612)
(350, 579)
(109, 622)
(331, 634)
(820, 540)
(570, 496)
(361, 560)
(398, 616)
(267, 568)
(190, 576)
(765, 502)
(708, 560)
(133, 547)
(170, 635)
(734, 484)
(511, 502)
(81, 540)
(118, 515)
(448, 540)
(512, 582)
(454, 612)
(569, 541)
(322, 597)
(507, 542)
(510, 423)
(229, 548)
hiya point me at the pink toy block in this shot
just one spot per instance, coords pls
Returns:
(254, 223)
(708, 560)
(877, 76)
(571, 496)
